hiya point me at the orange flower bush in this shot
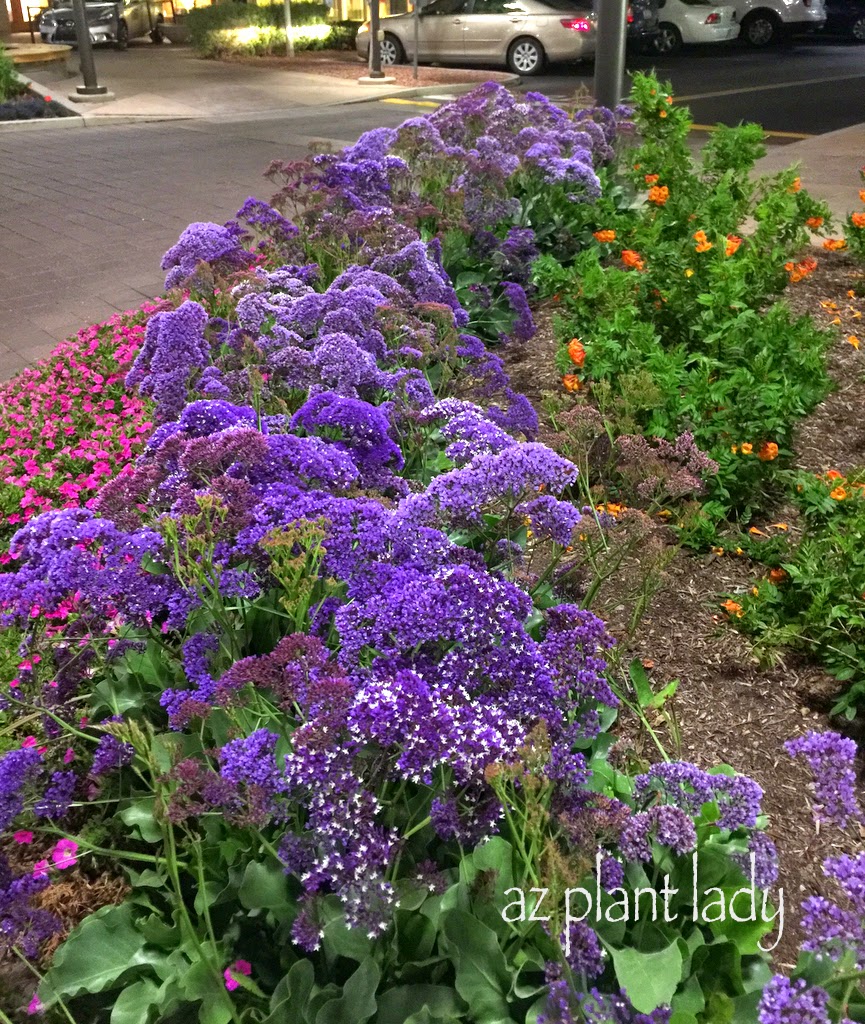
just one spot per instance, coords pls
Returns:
(858, 220)
(834, 244)
(733, 243)
(659, 194)
(799, 271)
(576, 352)
(604, 236)
(633, 259)
(768, 451)
(703, 243)
(814, 223)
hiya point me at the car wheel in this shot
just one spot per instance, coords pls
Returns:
(392, 51)
(122, 40)
(526, 57)
(762, 28)
(857, 30)
(668, 40)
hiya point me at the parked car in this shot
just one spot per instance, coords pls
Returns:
(694, 21)
(520, 34)
(846, 17)
(643, 24)
(765, 22)
(116, 21)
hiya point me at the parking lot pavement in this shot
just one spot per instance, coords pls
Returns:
(85, 217)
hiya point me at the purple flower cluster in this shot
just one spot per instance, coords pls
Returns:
(203, 242)
(793, 1002)
(831, 758)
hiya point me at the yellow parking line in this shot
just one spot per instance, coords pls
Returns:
(410, 103)
(774, 135)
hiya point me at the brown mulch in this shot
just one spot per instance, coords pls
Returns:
(729, 708)
(347, 65)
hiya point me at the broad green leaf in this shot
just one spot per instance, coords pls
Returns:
(264, 887)
(496, 855)
(482, 976)
(133, 1003)
(291, 996)
(101, 950)
(401, 1004)
(650, 979)
(357, 1003)
(139, 816)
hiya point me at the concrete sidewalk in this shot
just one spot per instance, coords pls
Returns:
(830, 167)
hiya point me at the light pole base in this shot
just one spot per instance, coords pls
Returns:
(91, 94)
(372, 80)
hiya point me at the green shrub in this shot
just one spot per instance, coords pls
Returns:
(238, 28)
(10, 83)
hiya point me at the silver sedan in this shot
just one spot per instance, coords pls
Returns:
(521, 34)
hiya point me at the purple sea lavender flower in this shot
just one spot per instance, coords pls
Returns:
(669, 826)
(762, 858)
(203, 242)
(583, 950)
(830, 757)
(18, 769)
(793, 1002)
(110, 755)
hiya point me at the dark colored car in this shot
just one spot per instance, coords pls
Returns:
(846, 17)
(116, 22)
(643, 25)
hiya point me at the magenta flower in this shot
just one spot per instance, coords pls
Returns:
(35, 1005)
(69, 755)
(28, 741)
(40, 869)
(240, 967)
(23, 837)
(64, 852)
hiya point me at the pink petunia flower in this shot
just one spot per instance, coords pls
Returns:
(64, 852)
(239, 967)
(35, 1005)
(41, 869)
(23, 837)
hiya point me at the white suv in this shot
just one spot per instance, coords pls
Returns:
(766, 21)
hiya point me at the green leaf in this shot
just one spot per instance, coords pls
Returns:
(98, 953)
(650, 979)
(133, 1003)
(400, 1004)
(357, 1003)
(139, 817)
(482, 976)
(264, 887)
(291, 996)
(496, 855)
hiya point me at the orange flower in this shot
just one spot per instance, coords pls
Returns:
(862, 195)
(814, 223)
(662, 113)
(633, 259)
(777, 576)
(768, 451)
(853, 340)
(652, 178)
(800, 270)
(797, 184)
(659, 194)
(577, 352)
(839, 494)
(605, 236)
(703, 243)
(733, 243)
(857, 220)
(834, 244)
(747, 448)
(833, 474)
(731, 608)
(571, 382)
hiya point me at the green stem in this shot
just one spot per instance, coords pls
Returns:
(41, 978)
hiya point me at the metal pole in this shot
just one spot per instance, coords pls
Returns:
(610, 51)
(85, 53)
(289, 37)
(375, 70)
(416, 35)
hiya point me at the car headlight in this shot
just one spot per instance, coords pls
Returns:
(105, 16)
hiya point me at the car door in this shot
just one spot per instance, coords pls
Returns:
(440, 32)
(490, 24)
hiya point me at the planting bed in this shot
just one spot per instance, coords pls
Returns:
(352, 602)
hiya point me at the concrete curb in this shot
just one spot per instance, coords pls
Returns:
(41, 123)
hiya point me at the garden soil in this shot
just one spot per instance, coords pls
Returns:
(729, 708)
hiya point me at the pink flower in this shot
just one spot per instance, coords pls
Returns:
(35, 1005)
(64, 852)
(40, 869)
(23, 837)
(69, 755)
(240, 967)
(28, 741)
